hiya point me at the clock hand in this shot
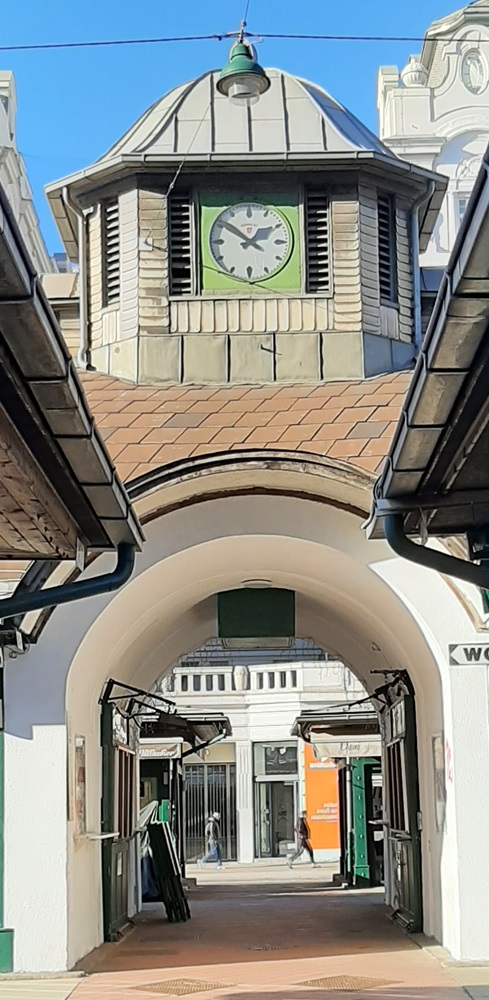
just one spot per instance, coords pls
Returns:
(231, 229)
(261, 234)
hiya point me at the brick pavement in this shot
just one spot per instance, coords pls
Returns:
(289, 938)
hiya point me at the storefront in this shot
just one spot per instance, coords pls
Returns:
(276, 785)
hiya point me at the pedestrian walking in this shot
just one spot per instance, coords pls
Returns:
(213, 838)
(303, 834)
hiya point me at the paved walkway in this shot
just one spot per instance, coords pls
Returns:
(269, 934)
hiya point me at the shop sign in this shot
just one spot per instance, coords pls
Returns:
(472, 654)
(160, 751)
(349, 747)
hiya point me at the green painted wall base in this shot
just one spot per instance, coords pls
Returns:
(6, 950)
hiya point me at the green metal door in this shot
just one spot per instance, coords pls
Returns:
(404, 889)
(118, 818)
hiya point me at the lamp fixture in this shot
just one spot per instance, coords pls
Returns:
(242, 79)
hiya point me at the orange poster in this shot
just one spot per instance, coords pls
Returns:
(322, 801)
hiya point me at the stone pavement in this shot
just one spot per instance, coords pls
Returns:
(266, 932)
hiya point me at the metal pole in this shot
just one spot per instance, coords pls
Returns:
(349, 825)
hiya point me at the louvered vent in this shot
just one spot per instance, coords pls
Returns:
(111, 252)
(387, 248)
(180, 226)
(318, 242)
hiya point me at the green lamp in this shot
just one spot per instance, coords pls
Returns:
(242, 79)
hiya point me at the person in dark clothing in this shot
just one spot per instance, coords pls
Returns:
(303, 833)
(213, 836)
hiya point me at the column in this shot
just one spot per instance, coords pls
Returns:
(244, 801)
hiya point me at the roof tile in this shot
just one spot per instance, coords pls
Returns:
(150, 426)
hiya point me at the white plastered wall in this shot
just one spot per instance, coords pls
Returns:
(354, 598)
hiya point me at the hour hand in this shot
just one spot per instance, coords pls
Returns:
(261, 234)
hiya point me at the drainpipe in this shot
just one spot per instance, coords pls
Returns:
(475, 573)
(418, 335)
(23, 602)
(83, 355)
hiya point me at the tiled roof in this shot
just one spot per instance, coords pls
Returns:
(145, 427)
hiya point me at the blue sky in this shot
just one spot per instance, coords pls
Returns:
(74, 104)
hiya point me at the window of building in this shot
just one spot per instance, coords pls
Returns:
(184, 682)
(180, 231)
(209, 682)
(387, 248)
(283, 679)
(318, 255)
(197, 682)
(293, 678)
(221, 682)
(259, 678)
(111, 254)
(461, 204)
(271, 679)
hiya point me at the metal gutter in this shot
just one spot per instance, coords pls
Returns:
(441, 562)
(422, 200)
(22, 603)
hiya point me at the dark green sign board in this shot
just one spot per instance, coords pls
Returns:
(250, 613)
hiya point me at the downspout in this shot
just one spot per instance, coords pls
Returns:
(418, 333)
(83, 354)
(441, 562)
(21, 604)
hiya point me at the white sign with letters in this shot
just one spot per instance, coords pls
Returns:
(471, 654)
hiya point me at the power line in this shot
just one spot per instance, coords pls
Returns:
(219, 37)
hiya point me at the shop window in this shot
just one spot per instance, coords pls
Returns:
(396, 788)
(124, 786)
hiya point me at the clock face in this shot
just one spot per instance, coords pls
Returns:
(250, 241)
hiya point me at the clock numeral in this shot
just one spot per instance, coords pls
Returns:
(282, 242)
(249, 271)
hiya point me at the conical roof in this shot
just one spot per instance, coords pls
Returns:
(294, 116)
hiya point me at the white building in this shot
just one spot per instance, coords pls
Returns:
(13, 176)
(436, 112)
(262, 696)
(176, 350)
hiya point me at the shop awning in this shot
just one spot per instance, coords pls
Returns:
(59, 493)
(347, 731)
(435, 481)
(157, 716)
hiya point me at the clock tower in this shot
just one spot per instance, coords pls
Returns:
(267, 243)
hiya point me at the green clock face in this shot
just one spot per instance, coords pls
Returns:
(250, 241)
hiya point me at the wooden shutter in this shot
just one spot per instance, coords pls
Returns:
(318, 256)
(180, 233)
(111, 252)
(387, 248)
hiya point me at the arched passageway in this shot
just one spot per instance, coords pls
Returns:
(353, 598)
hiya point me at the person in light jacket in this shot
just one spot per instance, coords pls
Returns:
(213, 837)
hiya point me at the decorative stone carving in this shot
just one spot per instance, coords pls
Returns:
(414, 74)
(241, 678)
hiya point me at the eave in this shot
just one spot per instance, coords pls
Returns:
(59, 491)
(85, 183)
(436, 476)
